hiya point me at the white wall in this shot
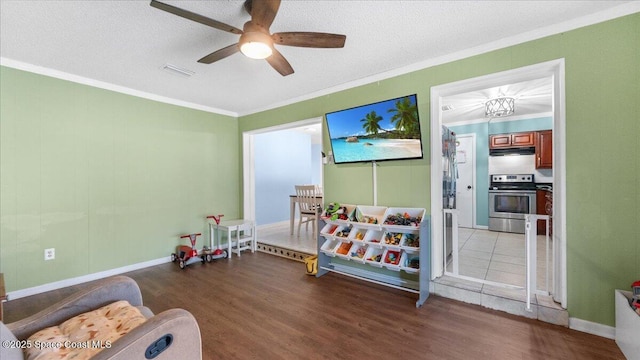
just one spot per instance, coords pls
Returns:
(283, 159)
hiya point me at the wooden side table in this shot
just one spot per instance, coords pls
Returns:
(3, 294)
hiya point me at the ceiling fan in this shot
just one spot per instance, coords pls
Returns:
(255, 39)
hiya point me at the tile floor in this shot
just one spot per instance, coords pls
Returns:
(278, 234)
(498, 257)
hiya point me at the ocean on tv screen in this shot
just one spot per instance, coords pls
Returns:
(375, 149)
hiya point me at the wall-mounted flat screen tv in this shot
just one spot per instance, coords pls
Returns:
(386, 130)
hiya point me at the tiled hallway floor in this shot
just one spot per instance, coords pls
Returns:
(498, 257)
(278, 234)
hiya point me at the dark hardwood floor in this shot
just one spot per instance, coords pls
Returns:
(261, 306)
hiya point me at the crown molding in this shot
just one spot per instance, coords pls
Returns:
(19, 65)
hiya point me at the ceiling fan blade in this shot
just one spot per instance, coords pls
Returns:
(278, 62)
(195, 17)
(264, 11)
(309, 39)
(220, 54)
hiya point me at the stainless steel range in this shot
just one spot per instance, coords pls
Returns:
(511, 197)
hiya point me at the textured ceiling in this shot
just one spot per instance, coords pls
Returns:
(126, 43)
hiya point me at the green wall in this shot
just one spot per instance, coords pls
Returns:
(106, 179)
(602, 64)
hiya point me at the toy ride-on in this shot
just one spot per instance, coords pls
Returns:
(186, 255)
(635, 299)
(208, 252)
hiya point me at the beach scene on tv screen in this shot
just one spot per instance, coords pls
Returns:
(382, 131)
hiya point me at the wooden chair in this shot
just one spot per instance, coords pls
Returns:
(308, 206)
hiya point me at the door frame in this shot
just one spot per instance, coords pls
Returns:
(474, 223)
(554, 69)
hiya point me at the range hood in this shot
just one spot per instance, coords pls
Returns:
(513, 151)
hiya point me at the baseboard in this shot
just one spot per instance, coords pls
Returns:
(481, 227)
(85, 278)
(589, 327)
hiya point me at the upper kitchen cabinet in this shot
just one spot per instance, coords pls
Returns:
(544, 149)
(524, 139)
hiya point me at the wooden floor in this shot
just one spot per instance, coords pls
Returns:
(261, 306)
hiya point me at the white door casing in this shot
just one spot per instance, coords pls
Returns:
(553, 68)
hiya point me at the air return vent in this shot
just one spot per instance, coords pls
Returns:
(177, 70)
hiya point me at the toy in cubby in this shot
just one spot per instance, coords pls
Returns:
(343, 233)
(358, 234)
(358, 252)
(403, 220)
(411, 240)
(369, 215)
(329, 229)
(392, 238)
(373, 256)
(334, 211)
(343, 249)
(392, 257)
(410, 262)
(373, 237)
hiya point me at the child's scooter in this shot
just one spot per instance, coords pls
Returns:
(208, 252)
(186, 255)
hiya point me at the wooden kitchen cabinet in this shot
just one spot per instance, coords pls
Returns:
(499, 141)
(525, 139)
(544, 149)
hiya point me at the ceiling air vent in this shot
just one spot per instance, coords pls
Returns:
(177, 70)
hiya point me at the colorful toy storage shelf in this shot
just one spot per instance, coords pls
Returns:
(388, 246)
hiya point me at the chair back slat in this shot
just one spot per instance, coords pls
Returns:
(306, 198)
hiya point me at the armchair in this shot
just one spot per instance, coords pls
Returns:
(172, 334)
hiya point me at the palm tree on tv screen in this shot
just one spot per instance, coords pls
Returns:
(406, 118)
(371, 123)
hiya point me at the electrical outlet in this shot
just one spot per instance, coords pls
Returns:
(49, 254)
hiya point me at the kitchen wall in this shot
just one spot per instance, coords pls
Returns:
(519, 164)
(486, 165)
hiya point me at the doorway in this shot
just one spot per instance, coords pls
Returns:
(553, 70)
(275, 159)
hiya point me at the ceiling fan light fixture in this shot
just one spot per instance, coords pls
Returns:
(256, 45)
(502, 106)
